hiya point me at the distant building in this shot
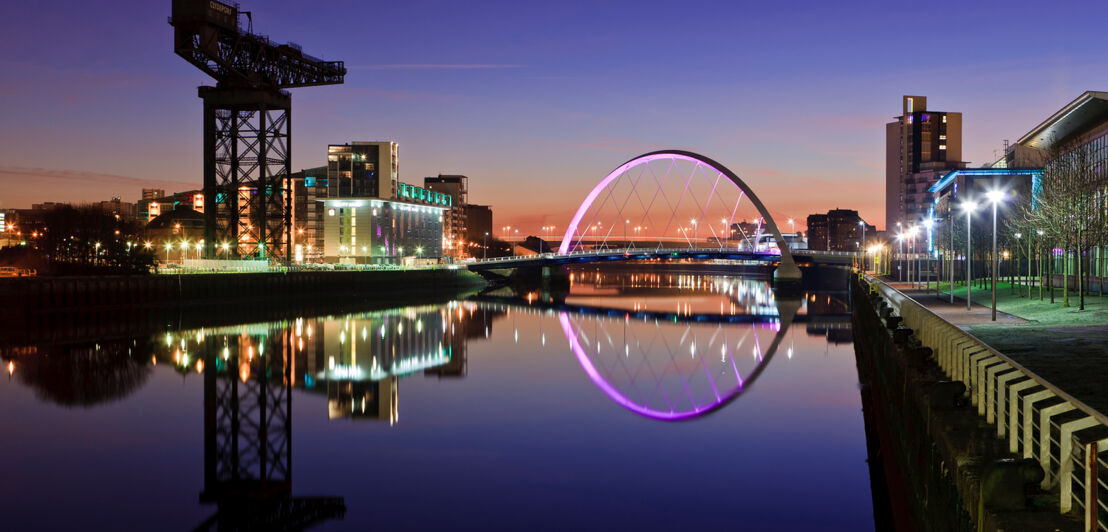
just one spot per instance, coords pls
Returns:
(838, 230)
(309, 189)
(363, 170)
(153, 193)
(921, 146)
(454, 222)
(478, 224)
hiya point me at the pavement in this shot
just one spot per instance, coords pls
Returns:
(956, 313)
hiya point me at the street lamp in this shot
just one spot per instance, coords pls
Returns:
(485, 252)
(694, 228)
(969, 207)
(862, 246)
(928, 223)
(912, 249)
(1040, 261)
(792, 229)
(1019, 244)
(899, 254)
(995, 197)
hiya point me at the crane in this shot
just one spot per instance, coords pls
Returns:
(247, 125)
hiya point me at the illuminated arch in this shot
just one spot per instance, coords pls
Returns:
(786, 269)
(787, 313)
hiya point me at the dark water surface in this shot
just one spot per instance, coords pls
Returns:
(645, 401)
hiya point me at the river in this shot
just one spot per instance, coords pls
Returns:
(640, 400)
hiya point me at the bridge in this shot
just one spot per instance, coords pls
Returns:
(675, 197)
(501, 268)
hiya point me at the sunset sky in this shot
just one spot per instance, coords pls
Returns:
(536, 101)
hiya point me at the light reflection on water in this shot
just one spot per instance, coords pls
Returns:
(511, 409)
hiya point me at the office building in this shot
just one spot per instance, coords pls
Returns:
(363, 170)
(454, 220)
(921, 146)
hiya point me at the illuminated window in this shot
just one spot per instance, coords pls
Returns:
(944, 119)
(330, 212)
(942, 146)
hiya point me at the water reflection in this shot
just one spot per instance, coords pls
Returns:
(248, 432)
(79, 375)
(656, 345)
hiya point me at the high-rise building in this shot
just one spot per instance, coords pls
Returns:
(454, 220)
(153, 193)
(363, 170)
(921, 146)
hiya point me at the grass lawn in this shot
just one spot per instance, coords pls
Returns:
(1039, 312)
(1066, 346)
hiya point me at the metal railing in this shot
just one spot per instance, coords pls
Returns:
(1039, 420)
(657, 251)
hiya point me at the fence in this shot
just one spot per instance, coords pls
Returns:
(1039, 420)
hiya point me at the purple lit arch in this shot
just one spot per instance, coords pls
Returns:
(786, 269)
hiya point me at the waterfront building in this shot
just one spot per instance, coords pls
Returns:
(1075, 134)
(176, 234)
(838, 230)
(454, 221)
(363, 170)
(376, 231)
(972, 184)
(921, 146)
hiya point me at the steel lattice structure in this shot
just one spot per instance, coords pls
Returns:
(247, 411)
(247, 126)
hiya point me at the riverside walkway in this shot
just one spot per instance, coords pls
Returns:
(1070, 351)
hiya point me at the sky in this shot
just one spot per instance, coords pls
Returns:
(537, 101)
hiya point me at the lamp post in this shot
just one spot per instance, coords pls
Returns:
(862, 247)
(485, 252)
(694, 228)
(995, 197)
(900, 255)
(900, 252)
(969, 207)
(929, 224)
(1019, 244)
(1040, 265)
(952, 255)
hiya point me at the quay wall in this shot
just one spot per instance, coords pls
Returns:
(136, 304)
(944, 466)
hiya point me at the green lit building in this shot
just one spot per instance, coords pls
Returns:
(379, 231)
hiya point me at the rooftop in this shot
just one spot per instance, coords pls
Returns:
(1073, 119)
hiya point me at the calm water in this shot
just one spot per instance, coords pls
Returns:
(641, 401)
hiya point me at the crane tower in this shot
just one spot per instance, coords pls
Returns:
(247, 126)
